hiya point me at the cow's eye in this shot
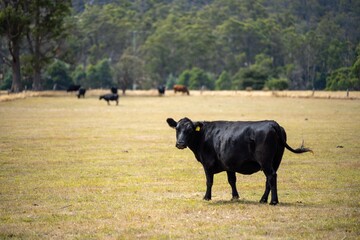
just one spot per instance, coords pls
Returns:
(188, 130)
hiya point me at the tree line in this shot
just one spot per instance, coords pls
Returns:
(212, 44)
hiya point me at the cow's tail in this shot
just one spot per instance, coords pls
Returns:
(301, 149)
(282, 136)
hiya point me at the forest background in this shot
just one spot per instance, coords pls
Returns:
(208, 44)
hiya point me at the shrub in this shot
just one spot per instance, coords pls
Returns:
(223, 82)
(99, 75)
(196, 78)
(5, 84)
(342, 79)
(58, 75)
(184, 78)
(277, 84)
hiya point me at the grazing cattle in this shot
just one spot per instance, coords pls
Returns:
(161, 90)
(73, 88)
(114, 90)
(81, 92)
(243, 147)
(181, 88)
(110, 97)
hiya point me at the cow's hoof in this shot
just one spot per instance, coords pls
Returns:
(206, 198)
(263, 201)
(274, 203)
(235, 198)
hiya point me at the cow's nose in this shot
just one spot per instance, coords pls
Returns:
(180, 145)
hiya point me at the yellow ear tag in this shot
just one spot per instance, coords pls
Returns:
(197, 129)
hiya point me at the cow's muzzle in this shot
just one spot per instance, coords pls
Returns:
(180, 145)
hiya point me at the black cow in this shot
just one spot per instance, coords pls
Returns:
(243, 147)
(81, 92)
(73, 88)
(110, 97)
(161, 90)
(114, 90)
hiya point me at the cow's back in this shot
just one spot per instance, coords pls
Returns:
(234, 144)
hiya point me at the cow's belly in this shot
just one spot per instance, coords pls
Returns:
(248, 167)
(241, 165)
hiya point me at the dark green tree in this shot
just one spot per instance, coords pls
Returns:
(58, 76)
(14, 20)
(342, 79)
(99, 75)
(92, 77)
(107, 31)
(223, 82)
(79, 75)
(162, 50)
(198, 46)
(200, 79)
(306, 40)
(256, 75)
(356, 65)
(184, 78)
(128, 72)
(45, 34)
(6, 81)
(277, 84)
(171, 81)
(104, 73)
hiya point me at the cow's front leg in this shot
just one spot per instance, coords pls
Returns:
(209, 183)
(232, 181)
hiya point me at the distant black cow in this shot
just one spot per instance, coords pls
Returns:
(243, 147)
(81, 92)
(181, 88)
(161, 90)
(73, 88)
(114, 90)
(110, 97)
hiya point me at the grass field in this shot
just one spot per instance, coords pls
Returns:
(79, 169)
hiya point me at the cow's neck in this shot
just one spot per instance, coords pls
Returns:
(195, 142)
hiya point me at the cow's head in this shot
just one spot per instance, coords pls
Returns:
(185, 131)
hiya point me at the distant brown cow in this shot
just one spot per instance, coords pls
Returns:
(181, 88)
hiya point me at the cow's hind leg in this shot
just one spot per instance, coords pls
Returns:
(271, 183)
(232, 181)
(270, 186)
(265, 196)
(271, 178)
(270, 163)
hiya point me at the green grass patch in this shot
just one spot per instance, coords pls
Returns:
(79, 169)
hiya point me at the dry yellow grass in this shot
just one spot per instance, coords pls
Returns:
(351, 95)
(79, 169)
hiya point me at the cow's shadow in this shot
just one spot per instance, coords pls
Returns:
(253, 202)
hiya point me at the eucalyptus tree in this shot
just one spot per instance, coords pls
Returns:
(38, 22)
(14, 20)
(45, 34)
(129, 72)
(106, 31)
(161, 51)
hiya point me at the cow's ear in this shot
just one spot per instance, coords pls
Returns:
(198, 126)
(172, 123)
